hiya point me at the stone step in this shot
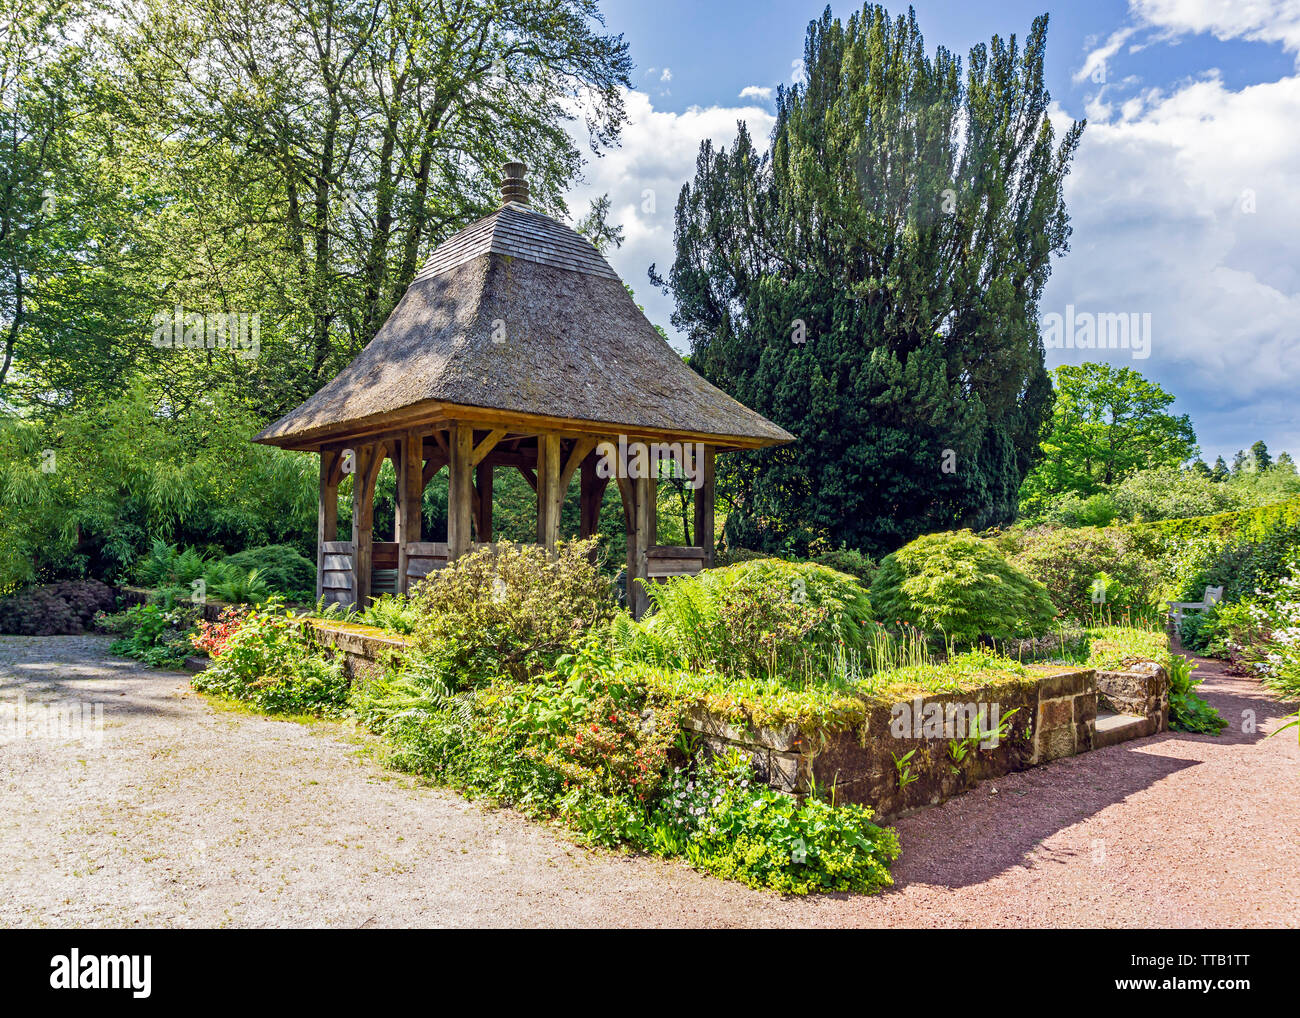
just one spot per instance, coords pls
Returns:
(1116, 728)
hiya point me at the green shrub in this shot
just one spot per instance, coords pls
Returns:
(228, 582)
(1197, 628)
(1167, 492)
(510, 609)
(394, 612)
(1070, 562)
(732, 556)
(155, 635)
(281, 568)
(598, 750)
(726, 822)
(851, 561)
(760, 618)
(272, 663)
(68, 607)
(961, 586)
(1072, 510)
(1187, 711)
(167, 566)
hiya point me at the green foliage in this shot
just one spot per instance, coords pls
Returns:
(760, 618)
(601, 751)
(228, 582)
(88, 491)
(960, 672)
(510, 609)
(1071, 562)
(851, 561)
(963, 587)
(67, 607)
(371, 151)
(1187, 711)
(155, 635)
(1110, 648)
(393, 612)
(168, 566)
(728, 823)
(270, 663)
(1074, 510)
(1241, 551)
(871, 283)
(280, 567)
(1168, 492)
(1197, 628)
(1106, 423)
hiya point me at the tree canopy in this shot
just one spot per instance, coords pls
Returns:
(871, 284)
(293, 160)
(1108, 422)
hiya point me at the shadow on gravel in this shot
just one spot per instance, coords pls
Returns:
(977, 836)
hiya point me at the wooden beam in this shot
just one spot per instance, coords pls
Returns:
(410, 499)
(431, 467)
(442, 443)
(640, 540)
(529, 476)
(591, 496)
(581, 447)
(327, 514)
(704, 498)
(460, 491)
(430, 414)
(549, 494)
(484, 447)
(363, 521)
(483, 509)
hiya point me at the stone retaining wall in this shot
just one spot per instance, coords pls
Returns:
(1055, 716)
(1142, 690)
(366, 650)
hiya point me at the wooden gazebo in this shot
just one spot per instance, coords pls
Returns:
(516, 346)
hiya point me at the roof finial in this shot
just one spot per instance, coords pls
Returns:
(514, 183)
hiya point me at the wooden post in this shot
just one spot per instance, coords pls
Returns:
(704, 498)
(410, 496)
(592, 495)
(459, 490)
(483, 484)
(549, 495)
(363, 519)
(327, 515)
(641, 541)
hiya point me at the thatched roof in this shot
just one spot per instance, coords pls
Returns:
(519, 314)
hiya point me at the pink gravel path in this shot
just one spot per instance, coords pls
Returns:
(191, 815)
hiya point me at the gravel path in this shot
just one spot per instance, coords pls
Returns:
(191, 814)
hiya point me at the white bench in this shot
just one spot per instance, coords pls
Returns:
(1177, 609)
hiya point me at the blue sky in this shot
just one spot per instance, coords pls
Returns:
(1185, 194)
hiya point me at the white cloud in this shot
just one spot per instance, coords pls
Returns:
(667, 74)
(756, 92)
(643, 178)
(1160, 199)
(1253, 20)
(1095, 64)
